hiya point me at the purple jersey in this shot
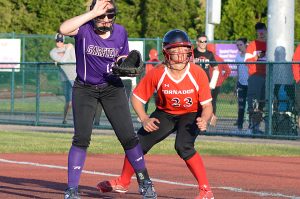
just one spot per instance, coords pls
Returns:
(96, 56)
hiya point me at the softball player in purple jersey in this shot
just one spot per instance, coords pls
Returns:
(99, 44)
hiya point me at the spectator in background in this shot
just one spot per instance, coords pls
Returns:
(283, 83)
(201, 56)
(153, 55)
(65, 53)
(224, 70)
(242, 81)
(256, 51)
(296, 73)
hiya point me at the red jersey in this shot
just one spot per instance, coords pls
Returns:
(296, 67)
(224, 71)
(175, 96)
(254, 48)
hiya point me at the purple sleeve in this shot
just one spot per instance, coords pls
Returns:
(125, 49)
(82, 29)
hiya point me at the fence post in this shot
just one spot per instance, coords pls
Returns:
(37, 94)
(157, 44)
(12, 91)
(270, 98)
(23, 68)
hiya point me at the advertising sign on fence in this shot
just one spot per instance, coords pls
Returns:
(228, 52)
(10, 52)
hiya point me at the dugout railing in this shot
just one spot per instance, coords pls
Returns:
(33, 95)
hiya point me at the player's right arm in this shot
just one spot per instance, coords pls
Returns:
(70, 27)
(251, 55)
(54, 56)
(296, 67)
(140, 95)
(148, 123)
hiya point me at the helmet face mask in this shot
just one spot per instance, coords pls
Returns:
(177, 48)
(178, 55)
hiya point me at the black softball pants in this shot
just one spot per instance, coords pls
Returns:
(214, 94)
(115, 105)
(242, 97)
(186, 132)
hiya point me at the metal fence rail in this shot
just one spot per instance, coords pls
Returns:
(33, 95)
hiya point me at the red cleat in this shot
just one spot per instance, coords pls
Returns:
(205, 193)
(112, 186)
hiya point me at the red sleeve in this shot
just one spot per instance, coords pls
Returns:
(148, 67)
(227, 70)
(251, 57)
(224, 70)
(296, 67)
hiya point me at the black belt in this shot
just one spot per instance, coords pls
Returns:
(95, 86)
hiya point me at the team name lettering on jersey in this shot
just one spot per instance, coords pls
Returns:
(102, 52)
(178, 92)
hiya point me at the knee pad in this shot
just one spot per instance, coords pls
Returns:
(185, 152)
(130, 143)
(81, 141)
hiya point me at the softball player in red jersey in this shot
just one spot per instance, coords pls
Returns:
(183, 104)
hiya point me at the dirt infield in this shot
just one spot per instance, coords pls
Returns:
(44, 176)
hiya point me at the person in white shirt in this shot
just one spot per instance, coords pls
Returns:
(65, 53)
(242, 81)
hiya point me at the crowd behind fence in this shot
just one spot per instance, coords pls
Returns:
(33, 95)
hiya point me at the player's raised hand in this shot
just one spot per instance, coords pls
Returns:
(201, 123)
(101, 7)
(149, 124)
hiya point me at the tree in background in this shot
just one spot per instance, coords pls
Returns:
(162, 16)
(239, 18)
(5, 15)
(39, 17)
(129, 15)
(297, 20)
(142, 18)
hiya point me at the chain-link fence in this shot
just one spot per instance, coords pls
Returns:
(33, 95)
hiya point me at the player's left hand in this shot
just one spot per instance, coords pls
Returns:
(201, 123)
(149, 124)
(131, 66)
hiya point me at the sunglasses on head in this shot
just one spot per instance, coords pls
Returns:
(108, 15)
(200, 41)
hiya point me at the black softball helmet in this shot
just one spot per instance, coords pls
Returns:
(176, 38)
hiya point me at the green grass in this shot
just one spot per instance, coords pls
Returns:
(226, 105)
(47, 104)
(37, 142)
